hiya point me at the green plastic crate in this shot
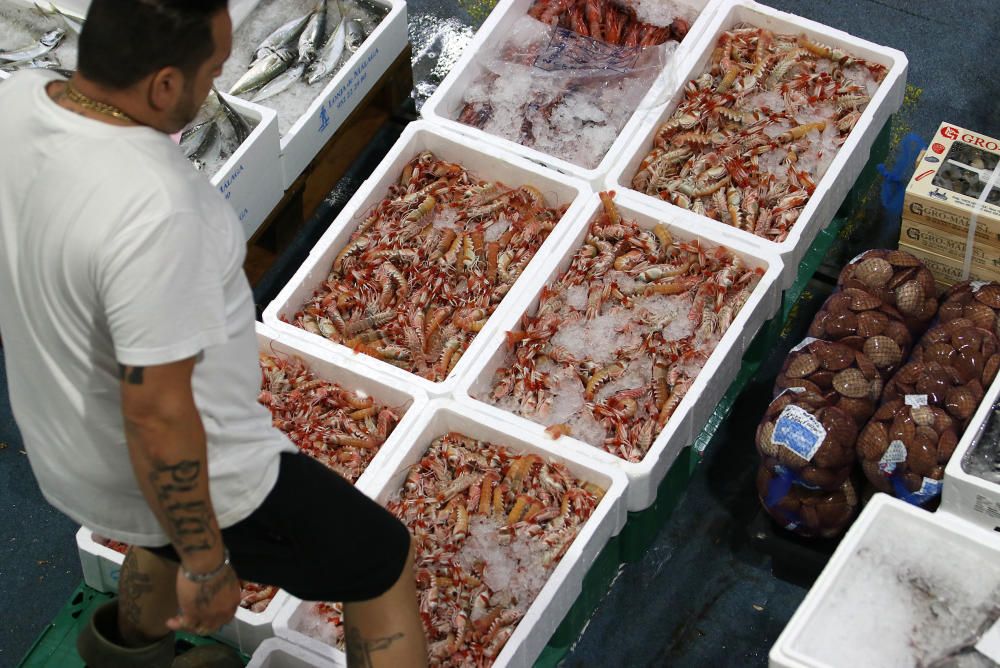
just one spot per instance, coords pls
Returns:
(56, 646)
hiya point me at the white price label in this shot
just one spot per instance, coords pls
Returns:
(802, 344)
(916, 400)
(800, 432)
(894, 455)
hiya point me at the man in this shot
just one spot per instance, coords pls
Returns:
(132, 363)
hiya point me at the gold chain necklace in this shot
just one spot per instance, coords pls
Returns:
(75, 96)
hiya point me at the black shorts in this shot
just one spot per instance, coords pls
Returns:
(317, 537)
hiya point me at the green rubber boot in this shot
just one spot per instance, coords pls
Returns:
(98, 650)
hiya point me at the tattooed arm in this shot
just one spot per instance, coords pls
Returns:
(166, 443)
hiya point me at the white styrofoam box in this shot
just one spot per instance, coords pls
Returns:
(485, 163)
(445, 104)
(856, 606)
(968, 496)
(250, 180)
(564, 584)
(346, 372)
(850, 159)
(278, 653)
(101, 567)
(343, 92)
(711, 384)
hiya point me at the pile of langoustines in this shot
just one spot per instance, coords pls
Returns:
(858, 396)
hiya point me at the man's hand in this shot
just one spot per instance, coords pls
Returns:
(206, 606)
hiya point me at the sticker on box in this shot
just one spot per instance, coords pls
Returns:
(798, 431)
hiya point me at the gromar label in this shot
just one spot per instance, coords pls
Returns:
(799, 431)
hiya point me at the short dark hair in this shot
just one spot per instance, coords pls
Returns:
(125, 40)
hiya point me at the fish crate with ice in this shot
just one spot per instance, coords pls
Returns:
(696, 169)
(278, 653)
(606, 334)
(972, 478)
(543, 609)
(310, 114)
(101, 559)
(905, 587)
(610, 135)
(482, 162)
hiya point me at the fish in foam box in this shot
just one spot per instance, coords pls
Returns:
(949, 180)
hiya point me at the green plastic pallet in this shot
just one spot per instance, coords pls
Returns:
(56, 646)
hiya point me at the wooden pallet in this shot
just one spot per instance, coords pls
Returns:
(319, 178)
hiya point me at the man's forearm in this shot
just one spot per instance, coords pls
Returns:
(168, 455)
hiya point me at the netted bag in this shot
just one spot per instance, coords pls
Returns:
(976, 301)
(807, 512)
(897, 278)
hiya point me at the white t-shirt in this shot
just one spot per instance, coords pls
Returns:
(113, 250)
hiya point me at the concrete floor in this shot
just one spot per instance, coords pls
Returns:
(702, 596)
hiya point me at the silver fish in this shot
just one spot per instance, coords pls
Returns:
(196, 140)
(312, 36)
(355, 35)
(266, 69)
(240, 127)
(45, 43)
(280, 83)
(46, 61)
(329, 56)
(282, 38)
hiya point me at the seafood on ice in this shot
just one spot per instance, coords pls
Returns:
(340, 428)
(568, 76)
(489, 526)
(427, 266)
(214, 135)
(755, 133)
(619, 338)
(39, 37)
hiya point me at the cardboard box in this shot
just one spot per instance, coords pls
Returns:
(947, 271)
(938, 195)
(985, 259)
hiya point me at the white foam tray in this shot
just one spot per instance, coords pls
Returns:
(101, 565)
(877, 635)
(970, 497)
(846, 166)
(711, 384)
(335, 102)
(278, 653)
(486, 163)
(445, 104)
(555, 598)
(249, 180)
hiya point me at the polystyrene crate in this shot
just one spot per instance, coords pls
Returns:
(561, 590)
(485, 163)
(708, 388)
(101, 567)
(949, 563)
(445, 104)
(846, 166)
(968, 496)
(250, 180)
(278, 653)
(337, 99)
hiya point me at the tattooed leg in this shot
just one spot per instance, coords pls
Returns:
(146, 597)
(386, 630)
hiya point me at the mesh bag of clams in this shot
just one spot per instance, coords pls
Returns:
(807, 442)
(864, 322)
(807, 512)
(898, 279)
(953, 365)
(905, 447)
(844, 377)
(977, 301)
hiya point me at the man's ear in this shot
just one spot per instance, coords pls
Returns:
(166, 86)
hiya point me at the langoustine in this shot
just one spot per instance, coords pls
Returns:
(754, 134)
(619, 338)
(489, 526)
(422, 273)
